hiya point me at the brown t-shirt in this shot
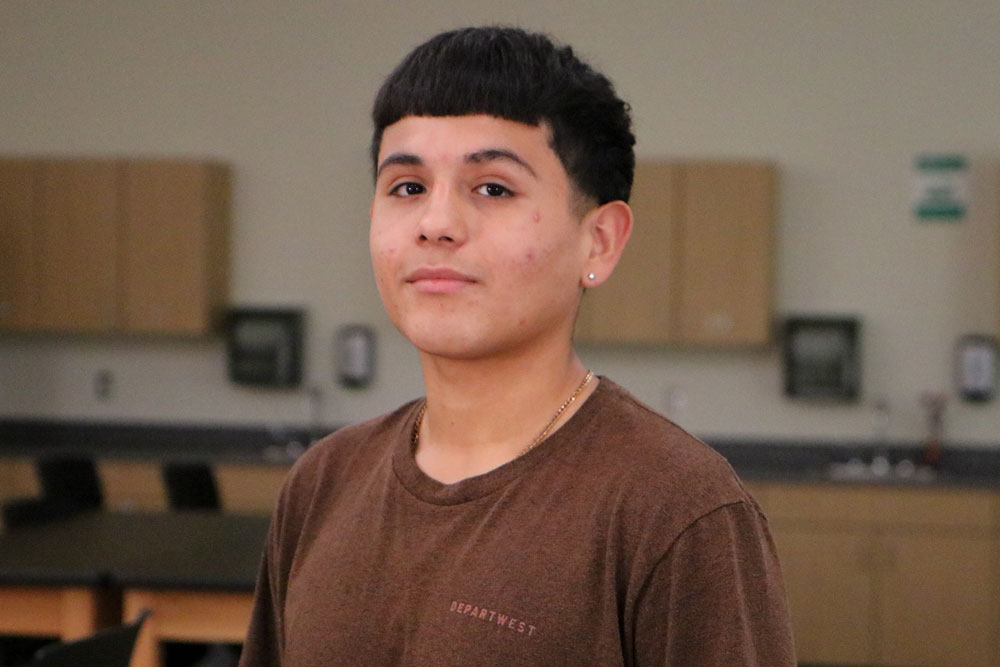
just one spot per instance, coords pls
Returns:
(619, 540)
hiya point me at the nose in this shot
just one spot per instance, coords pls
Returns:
(443, 220)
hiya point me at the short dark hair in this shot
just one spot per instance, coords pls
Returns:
(517, 75)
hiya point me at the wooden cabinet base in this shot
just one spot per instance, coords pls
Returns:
(883, 575)
(186, 616)
(67, 613)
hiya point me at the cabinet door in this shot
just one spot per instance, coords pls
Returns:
(250, 488)
(18, 478)
(19, 190)
(830, 586)
(132, 485)
(698, 268)
(937, 600)
(77, 243)
(636, 304)
(724, 241)
(174, 260)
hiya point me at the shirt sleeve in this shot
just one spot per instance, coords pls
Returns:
(717, 597)
(262, 647)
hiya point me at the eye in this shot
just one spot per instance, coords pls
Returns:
(408, 189)
(494, 190)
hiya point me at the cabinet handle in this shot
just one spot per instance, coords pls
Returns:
(877, 555)
(866, 556)
(884, 556)
(719, 323)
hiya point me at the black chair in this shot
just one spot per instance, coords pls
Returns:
(190, 486)
(105, 648)
(69, 484)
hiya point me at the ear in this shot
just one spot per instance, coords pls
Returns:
(609, 226)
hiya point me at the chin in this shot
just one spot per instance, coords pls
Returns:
(464, 338)
(448, 346)
(449, 342)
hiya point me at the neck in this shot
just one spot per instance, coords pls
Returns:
(482, 414)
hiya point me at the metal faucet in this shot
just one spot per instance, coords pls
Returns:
(934, 403)
(880, 464)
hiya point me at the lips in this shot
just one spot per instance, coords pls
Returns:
(439, 279)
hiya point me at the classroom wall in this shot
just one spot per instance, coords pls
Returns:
(842, 95)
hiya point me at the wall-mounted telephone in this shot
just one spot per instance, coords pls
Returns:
(264, 346)
(355, 354)
(976, 367)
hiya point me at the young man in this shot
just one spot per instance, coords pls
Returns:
(526, 512)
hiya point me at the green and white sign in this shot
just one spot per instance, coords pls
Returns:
(941, 188)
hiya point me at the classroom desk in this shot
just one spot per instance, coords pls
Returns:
(195, 570)
(53, 582)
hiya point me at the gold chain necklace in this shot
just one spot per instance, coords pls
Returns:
(541, 436)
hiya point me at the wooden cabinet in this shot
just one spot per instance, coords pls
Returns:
(17, 480)
(20, 190)
(830, 593)
(130, 486)
(174, 246)
(698, 268)
(113, 246)
(937, 605)
(76, 236)
(60, 268)
(889, 576)
(250, 488)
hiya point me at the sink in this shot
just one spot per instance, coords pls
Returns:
(862, 462)
(880, 469)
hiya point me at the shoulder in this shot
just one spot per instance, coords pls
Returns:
(347, 453)
(661, 470)
(646, 442)
(328, 472)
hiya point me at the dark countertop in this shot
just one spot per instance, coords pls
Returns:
(156, 441)
(754, 459)
(174, 550)
(860, 463)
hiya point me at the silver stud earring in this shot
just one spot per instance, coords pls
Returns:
(591, 276)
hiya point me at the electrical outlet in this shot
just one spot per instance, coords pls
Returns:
(104, 385)
(675, 402)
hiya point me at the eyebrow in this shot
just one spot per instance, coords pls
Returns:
(493, 154)
(477, 157)
(399, 158)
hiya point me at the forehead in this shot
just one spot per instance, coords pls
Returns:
(453, 138)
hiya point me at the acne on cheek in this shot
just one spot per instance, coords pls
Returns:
(535, 259)
(391, 251)
(542, 254)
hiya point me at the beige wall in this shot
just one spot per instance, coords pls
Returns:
(843, 95)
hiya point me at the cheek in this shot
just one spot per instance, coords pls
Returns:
(539, 255)
(531, 260)
(537, 268)
(382, 245)
(384, 262)
(546, 255)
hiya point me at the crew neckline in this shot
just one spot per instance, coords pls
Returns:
(429, 490)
